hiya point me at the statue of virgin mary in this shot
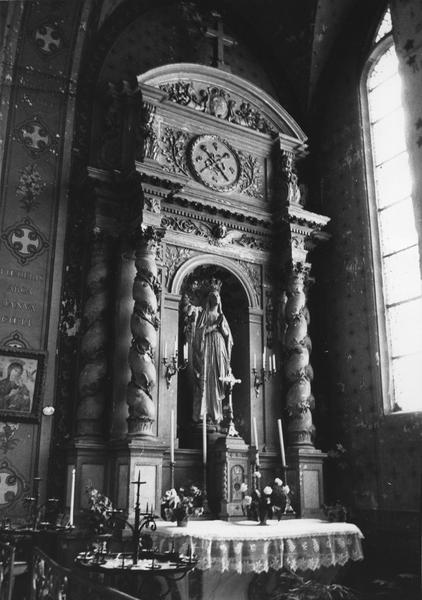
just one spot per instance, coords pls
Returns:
(211, 354)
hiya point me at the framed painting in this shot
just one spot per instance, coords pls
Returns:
(21, 382)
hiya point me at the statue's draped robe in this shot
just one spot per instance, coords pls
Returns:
(211, 360)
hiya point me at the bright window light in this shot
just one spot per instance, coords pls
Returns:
(394, 231)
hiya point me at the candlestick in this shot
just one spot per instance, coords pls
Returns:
(204, 438)
(172, 436)
(255, 434)
(280, 435)
(72, 498)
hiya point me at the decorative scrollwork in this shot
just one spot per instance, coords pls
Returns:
(173, 259)
(218, 103)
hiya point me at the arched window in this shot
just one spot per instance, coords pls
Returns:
(395, 251)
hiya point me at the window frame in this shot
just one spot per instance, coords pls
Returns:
(380, 342)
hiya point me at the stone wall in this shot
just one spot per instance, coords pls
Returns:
(378, 473)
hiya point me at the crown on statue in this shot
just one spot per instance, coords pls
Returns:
(214, 285)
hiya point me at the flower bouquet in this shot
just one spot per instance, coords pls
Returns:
(178, 505)
(266, 502)
(100, 510)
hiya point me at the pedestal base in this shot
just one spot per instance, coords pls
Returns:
(131, 457)
(306, 480)
(228, 469)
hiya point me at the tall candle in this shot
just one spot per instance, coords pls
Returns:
(280, 435)
(255, 435)
(185, 351)
(204, 438)
(254, 361)
(263, 358)
(274, 365)
(165, 350)
(72, 498)
(172, 436)
(175, 347)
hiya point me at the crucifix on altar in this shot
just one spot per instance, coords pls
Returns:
(230, 381)
(222, 40)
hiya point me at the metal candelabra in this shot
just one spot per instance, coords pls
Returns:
(172, 366)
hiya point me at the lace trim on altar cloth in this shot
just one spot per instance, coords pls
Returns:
(307, 552)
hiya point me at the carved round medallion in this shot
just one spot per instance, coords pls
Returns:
(214, 163)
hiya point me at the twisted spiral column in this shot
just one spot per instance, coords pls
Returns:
(297, 348)
(93, 350)
(144, 327)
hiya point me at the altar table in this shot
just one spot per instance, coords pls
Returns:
(245, 546)
(229, 554)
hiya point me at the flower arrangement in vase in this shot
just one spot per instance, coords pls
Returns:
(178, 505)
(266, 502)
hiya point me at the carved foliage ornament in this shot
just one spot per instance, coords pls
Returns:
(174, 258)
(218, 103)
(217, 234)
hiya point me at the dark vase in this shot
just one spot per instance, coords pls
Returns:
(181, 516)
(263, 514)
(183, 522)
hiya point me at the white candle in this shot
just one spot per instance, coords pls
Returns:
(254, 361)
(185, 351)
(175, 347)
(204, 438)
(263, 358)
(274, 365)
(72, 498)
(280, 435)
(172, 436)
(255, 435)
(270, 363)
(165, 350)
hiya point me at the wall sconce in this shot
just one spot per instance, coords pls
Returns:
(172, 364)
(264, 375)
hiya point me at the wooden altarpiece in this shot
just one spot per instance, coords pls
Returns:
(215, 192)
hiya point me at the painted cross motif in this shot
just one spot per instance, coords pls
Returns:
(34, 135)
(222, 40)
(24, 240)
(48, 39)
(8, 487)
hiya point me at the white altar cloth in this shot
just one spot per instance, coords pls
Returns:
(246, 547)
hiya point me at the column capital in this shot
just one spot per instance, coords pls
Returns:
(147, 239)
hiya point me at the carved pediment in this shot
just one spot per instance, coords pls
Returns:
(224, 96)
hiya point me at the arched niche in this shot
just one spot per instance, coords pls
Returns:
(220, 261)
(193, 287)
